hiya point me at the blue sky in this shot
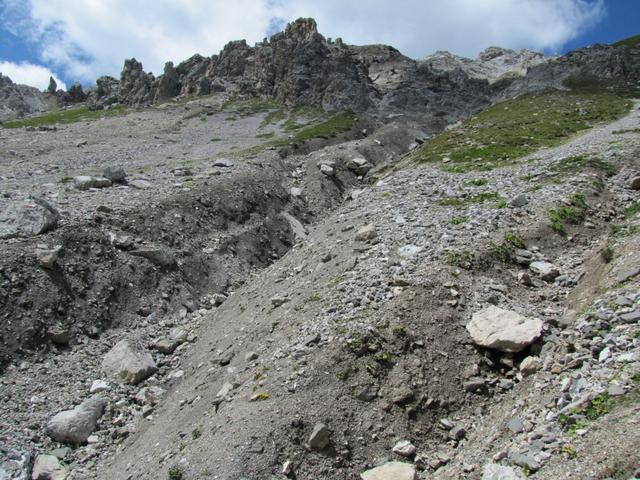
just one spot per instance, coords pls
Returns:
(80, 40)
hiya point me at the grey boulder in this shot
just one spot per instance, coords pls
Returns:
(74, 426)
(129, 362)
(391, 471)
(503, 330)
(493, 471)
(48, 467)
(29, 217)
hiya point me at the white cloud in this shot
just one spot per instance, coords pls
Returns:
(29, 74)
(88, 38)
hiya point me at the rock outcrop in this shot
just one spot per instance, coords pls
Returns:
(19, 100)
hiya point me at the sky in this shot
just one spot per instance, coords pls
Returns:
(81, 40)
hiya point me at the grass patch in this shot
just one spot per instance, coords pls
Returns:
(574, 213)
(477, 182)
(246, 108)
(509, 130)
(265, 135)
(71, 115)
(632, 210)
(514, 240)
(629, 130)
(215, 139)
(462, 259)
(65, 179)
(627, 42)
(175, 473)
(337, 124)
(458, 220)
(469, 200)
(579, 163)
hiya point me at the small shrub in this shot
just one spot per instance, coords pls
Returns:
(458, 220)
(175, 473)
(196, 433)
(462, 259)
(514, 240)
(607, 254)
(573, 213)
(632, 210)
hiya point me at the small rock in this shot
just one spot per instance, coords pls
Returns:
(287, 468)
(519, 201)
(295, 192)
(115, 174)
(327, 170)
(160, 256)
(515, 425)
(223, 162)
(391, 471)
(74, 426)
(368, 232)
(545, 270)
(84, 182)
(405, 449)
(493, 471)
(30, 217)
(319, 438)
(250, 356)
(98, 386)
(525, 279)
(47, 258)
(278, 301)
(634, 183)
(627, 274)
(59, 335)
(150, 395)
(530, 365)
(359, 166)
(48, 467)
(140, 184)
(457, 433)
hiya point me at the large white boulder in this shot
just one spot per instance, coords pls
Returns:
(129, 362)
(503, 330)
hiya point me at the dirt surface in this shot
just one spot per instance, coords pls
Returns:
(296, 315)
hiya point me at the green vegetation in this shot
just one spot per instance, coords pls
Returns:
(607, 254)
(579, 163)
(261, 396)
(627, 42)
(458, 220)
(196, 433)
(507, 131)
(477, 182)
(175, 473)
(629, 130)
(469, 200)
(573, 213)
(462, 259)
(337, 124)
(65, 116)
(246, 108)
(514, 240)
(632, 210)
(215, 139)
(65, 179)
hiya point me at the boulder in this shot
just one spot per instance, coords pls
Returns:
(84, 182)
(74, 426)
(48, 467)
(503, 330)
(493, 471)
(634, 183)
(129, 362)
(368, 232)
(391, 471)
(115, 174)
(545, 270)
(359, 166)
(319, 438)
(30, 217)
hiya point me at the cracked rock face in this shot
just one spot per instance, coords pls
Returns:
(503, 330)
